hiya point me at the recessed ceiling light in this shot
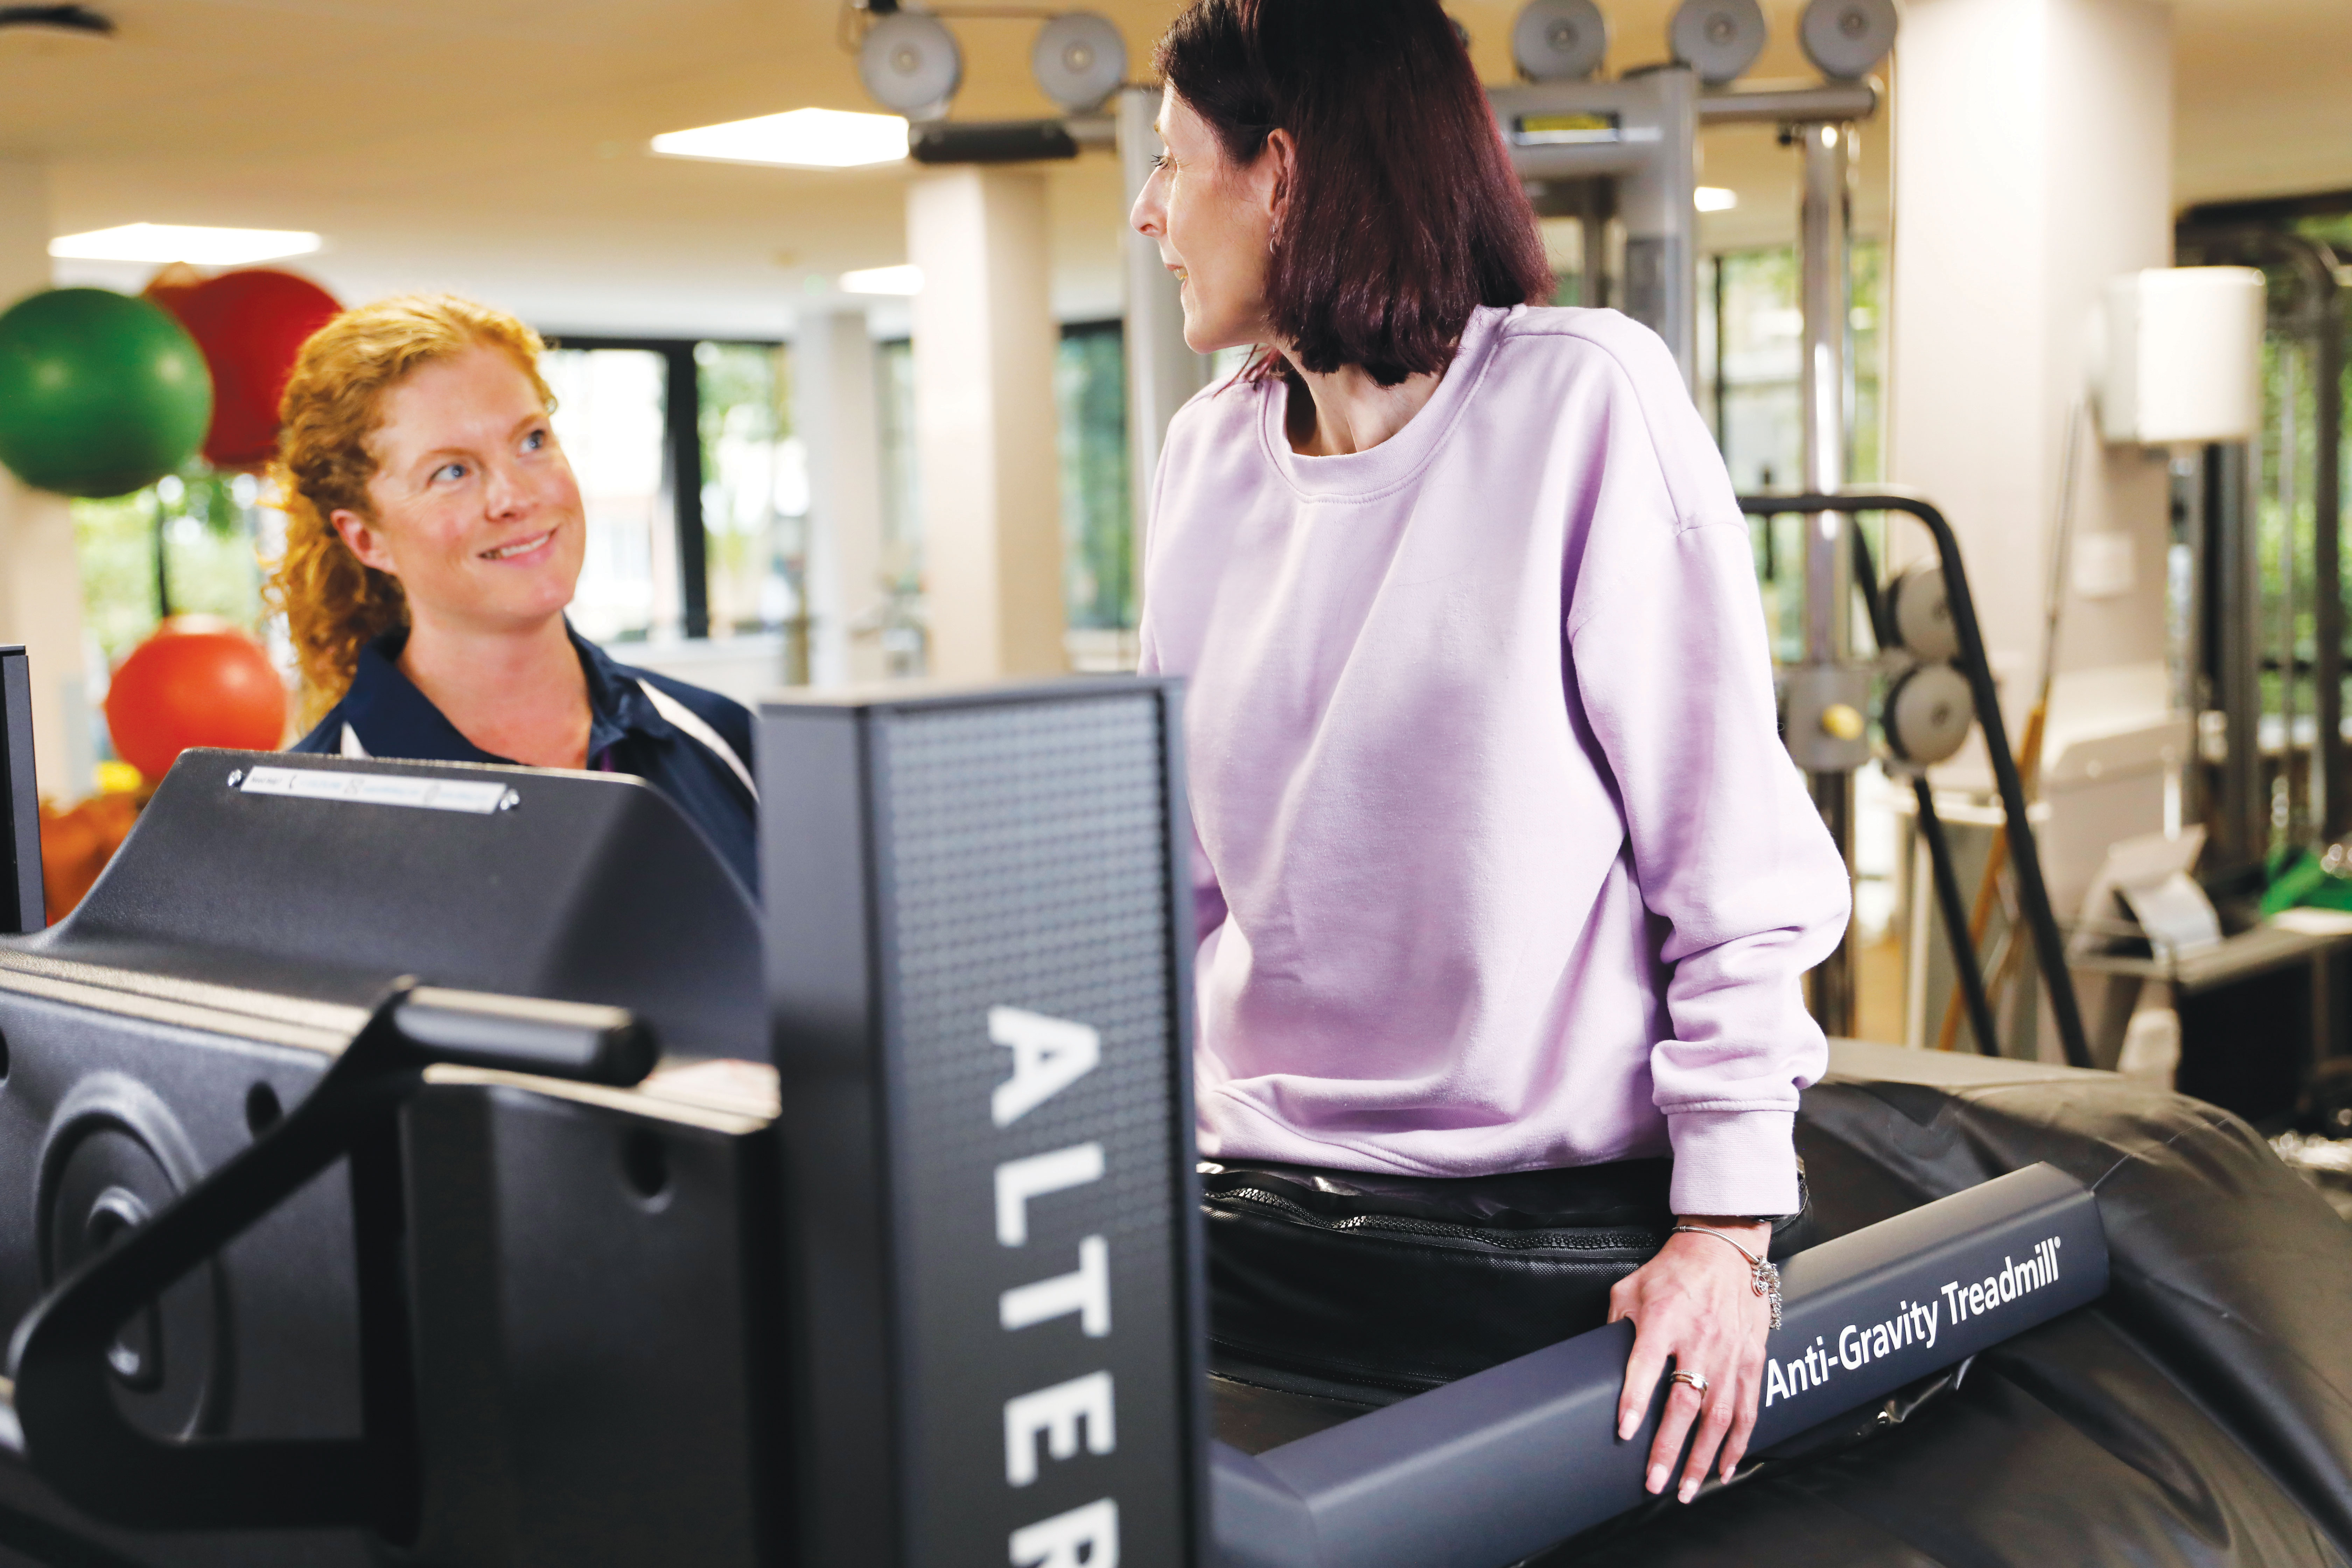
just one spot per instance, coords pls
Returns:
(803, 138)
(1716, 199)
(172, 242)
(906, 279)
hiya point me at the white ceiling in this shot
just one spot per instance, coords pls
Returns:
(496, 146)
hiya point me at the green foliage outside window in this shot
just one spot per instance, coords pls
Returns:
(754, 490)
(210, 545)
(1097, 510)
(1750, 357)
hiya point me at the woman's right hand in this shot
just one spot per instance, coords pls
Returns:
(1696, 1304)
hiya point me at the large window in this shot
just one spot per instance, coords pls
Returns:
(1750, 352)
(696, 492)
(696, 489)
(755, 496)
(1098, 505)
(612, 417)
(191, 543)
(905, 629)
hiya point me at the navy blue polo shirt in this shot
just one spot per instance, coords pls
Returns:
(694, 746)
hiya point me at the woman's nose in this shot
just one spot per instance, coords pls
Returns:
(503, 492)
(1147, 217)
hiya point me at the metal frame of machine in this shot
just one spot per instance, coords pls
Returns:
(907, 1375)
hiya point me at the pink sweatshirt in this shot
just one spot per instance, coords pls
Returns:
(1501, 864)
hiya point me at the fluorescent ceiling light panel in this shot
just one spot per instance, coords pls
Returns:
(883, 280)
(1716, 199)
(803, 139)
(162, 242)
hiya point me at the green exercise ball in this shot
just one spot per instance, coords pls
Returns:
(99, 392)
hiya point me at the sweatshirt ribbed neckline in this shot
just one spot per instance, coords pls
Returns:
(1367, 475)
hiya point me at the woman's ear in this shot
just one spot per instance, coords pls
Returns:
(1280, 162)
(361, 538)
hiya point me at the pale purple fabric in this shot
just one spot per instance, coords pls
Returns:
(1501, 864)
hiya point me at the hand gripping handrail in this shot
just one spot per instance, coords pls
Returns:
(1485, 1471)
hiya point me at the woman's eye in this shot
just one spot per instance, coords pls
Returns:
(449, 471)
(1163, 161)
(534, 441)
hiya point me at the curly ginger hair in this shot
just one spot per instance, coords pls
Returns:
(334, 604)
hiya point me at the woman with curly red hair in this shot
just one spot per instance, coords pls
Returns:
(434, 535)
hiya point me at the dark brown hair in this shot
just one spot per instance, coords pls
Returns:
(1405, 214)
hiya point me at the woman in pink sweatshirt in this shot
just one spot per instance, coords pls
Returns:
(1501, 864)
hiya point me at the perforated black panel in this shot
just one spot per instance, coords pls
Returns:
(961, 886)
(1026, 867)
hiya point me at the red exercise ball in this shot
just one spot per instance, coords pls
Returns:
(250, 324)
(171, 285)
(198, 681)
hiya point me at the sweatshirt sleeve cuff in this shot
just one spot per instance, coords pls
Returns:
(1734, 1161)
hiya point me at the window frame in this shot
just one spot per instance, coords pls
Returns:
(681, 454)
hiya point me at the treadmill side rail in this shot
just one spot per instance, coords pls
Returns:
(1485, 1471)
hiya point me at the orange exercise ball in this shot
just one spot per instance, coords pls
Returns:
(198, 681)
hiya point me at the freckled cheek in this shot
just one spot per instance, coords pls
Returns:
(561, 488)
(440, 533)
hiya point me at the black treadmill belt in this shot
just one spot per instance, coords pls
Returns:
(1254, 1418)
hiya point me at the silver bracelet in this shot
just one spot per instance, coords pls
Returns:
(1764, 1273)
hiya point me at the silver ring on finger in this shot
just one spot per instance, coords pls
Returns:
(1698, 1384)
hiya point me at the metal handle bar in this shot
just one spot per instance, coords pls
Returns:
(62, 1407)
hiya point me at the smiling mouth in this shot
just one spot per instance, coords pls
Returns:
(520, 547)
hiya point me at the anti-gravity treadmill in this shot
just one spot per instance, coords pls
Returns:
(409, 1164)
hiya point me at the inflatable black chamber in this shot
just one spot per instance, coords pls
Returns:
(2200, 1414)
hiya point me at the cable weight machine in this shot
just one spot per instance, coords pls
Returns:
(1937, 679)
(1627, 149)
(1620, 152)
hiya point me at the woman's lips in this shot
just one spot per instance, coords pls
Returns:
(520, 548)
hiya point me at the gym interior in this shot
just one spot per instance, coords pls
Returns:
(452, 1161)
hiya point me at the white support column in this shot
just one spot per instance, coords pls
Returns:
(1162, 371)
(40, 579)
(985, 443)
(838, 417)
(2033, 150)
(2032, 158)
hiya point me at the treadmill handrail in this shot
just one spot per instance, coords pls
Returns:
(1486, 1470)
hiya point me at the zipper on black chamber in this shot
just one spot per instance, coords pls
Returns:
(1510, 1240)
